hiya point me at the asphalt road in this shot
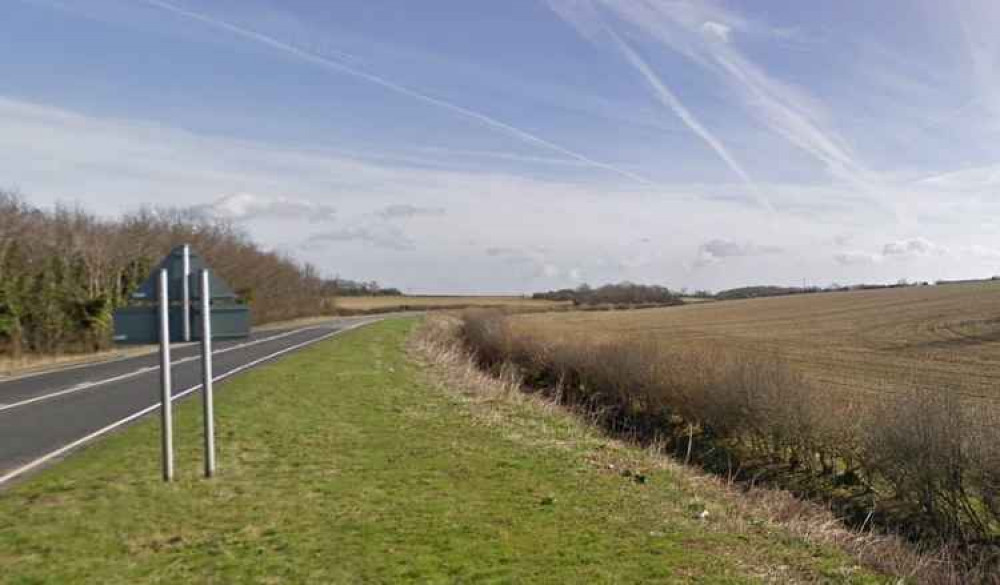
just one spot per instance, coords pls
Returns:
(45, 416)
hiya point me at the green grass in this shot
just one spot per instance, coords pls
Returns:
(344, 464)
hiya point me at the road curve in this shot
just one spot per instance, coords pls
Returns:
(43, 417)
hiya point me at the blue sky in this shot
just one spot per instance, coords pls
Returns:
(453, 146)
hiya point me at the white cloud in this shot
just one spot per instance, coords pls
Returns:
(909, 249)
(558, 226)
(384, 236)
(717, 30)
(501, 251)
(970, 179)
(241, 207)
(536, 262)
(717, 250)
(855, 258)
(787, 110)
(406, 211)
(912, 247)
(674, 104)
(388, 84)
(982, 252)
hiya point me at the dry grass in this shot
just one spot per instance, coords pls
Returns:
(945, 338)
(747, 390)
(31, 363)
(503, 400)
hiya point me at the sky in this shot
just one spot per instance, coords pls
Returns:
(472, 146)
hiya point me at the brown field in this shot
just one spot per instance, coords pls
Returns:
(939, 337)
(884, 402)
(438, 302)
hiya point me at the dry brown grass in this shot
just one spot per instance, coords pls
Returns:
(389, 303)
(906, 438)
(503, 400)
(945, 338)
(31, 364)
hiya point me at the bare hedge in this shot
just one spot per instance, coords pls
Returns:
(924, 463)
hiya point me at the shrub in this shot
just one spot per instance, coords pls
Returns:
(925, 462)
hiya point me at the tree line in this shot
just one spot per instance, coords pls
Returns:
(344, 287)
(623, 293)
(64, 271)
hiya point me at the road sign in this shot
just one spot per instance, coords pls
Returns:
(139, 323)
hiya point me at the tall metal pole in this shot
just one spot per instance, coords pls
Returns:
(166, 408)
(206, 373)
(186, 293)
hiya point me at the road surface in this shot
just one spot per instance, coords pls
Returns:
(45, 416)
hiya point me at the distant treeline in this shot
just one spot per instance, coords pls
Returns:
(624, 293)
(752, 292)
(63, 272)
(627, 293)
(342, 287)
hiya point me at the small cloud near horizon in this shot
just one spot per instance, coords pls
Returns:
(717, 250)
(405, 211)
(241, 207)
(383, 236)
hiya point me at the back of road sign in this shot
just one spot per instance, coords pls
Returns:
(139, 324)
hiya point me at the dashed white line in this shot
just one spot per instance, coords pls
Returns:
(152, 408)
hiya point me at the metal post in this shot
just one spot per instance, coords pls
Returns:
(186, 293)
(206, 372)
(166, 407)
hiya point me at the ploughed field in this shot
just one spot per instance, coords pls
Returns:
(944, 337)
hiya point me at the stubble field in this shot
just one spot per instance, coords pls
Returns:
(945, 338)
(882, 401)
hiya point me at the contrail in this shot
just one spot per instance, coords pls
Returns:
(395, 87)
(671, 101)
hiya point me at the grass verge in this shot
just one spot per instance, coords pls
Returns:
(347, 463)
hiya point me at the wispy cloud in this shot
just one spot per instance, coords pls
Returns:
(909, 249)
(856, 258)
(912, 247)
(674, 104)
(240, 207)
(717, 29)
(486, 154)
(978, 23)
(976, 178)
(536, 262)
(406, 211)
(384, 236)
(718, 250)
(700, 31)
(390, 85)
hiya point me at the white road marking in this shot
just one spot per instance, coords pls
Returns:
(136, 415)
(141, 371)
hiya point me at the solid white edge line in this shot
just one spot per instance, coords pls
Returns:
(69, 447)
(146, 370)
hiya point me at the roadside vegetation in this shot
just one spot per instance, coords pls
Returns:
(920, 462)
(63, 272)
(352, 462)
